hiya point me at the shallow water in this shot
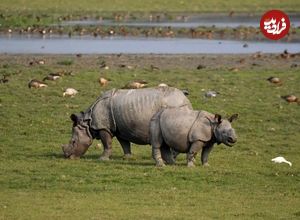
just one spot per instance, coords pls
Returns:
(130, 45)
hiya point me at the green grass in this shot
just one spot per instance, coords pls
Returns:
(36, 182)
(41, 13)
(18, 15)
(65, 62)
(147, 6)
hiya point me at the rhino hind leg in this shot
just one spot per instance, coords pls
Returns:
(106, 140)
(167, 154)
(175, 153)
(126, 148)
(156, 141)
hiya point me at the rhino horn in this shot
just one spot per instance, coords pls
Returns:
(66, 149)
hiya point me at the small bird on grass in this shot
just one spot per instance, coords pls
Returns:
(281, 160)
(52, 76)
(275, 80)
(291, 98)
(211, 94)
(234, 69)
(70, 92)
(153, 68)
(200, 66)
(136, 84)
(103, 81)
(36, 84)
(185, 92)
(39, 62)
(103, 65)
(163, 85)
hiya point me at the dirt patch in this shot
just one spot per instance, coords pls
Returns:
(150, 62)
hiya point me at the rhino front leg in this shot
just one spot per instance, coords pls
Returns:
(126, 148)
(106, 140)
(166, 154)
(194, 149)
(205, 152)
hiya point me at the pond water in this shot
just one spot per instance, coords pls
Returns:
(113, 45)
(190, 22)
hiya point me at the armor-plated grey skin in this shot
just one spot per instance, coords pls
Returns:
(125, 114)
(188, 131)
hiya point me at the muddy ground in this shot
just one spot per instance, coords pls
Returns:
(80, 62)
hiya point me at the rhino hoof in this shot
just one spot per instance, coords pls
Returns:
(104, 158)
(128, 157)
(160, 164)
(206, 165)
(73, 157)
(170, 161)
(191, 164)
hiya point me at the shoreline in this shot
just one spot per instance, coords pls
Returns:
(116, 62)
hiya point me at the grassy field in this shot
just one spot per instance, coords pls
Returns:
(36, 182)
(39, 13)
(147, 6)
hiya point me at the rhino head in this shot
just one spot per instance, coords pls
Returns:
(81, 138)
(223, 131)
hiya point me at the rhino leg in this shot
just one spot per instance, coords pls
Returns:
(167, 154)
(205, 152)
(156, 141)
(106, 140)
(174, 154)
(126, 148)
(156, 152)
(194, 149)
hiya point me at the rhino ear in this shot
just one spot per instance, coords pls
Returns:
(233, 117)
(218, 118)
(74, 118)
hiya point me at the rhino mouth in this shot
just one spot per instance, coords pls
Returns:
(230, 142)
(68, 154)
(65, 151)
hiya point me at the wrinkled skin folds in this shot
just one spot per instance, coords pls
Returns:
(124, 114)
(188, 131)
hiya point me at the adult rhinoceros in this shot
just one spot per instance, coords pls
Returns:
(125, 114)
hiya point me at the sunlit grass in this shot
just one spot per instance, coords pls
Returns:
(147, 6)
(36, 182)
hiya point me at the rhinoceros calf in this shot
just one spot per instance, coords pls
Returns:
(188, 131)
(125, 114)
